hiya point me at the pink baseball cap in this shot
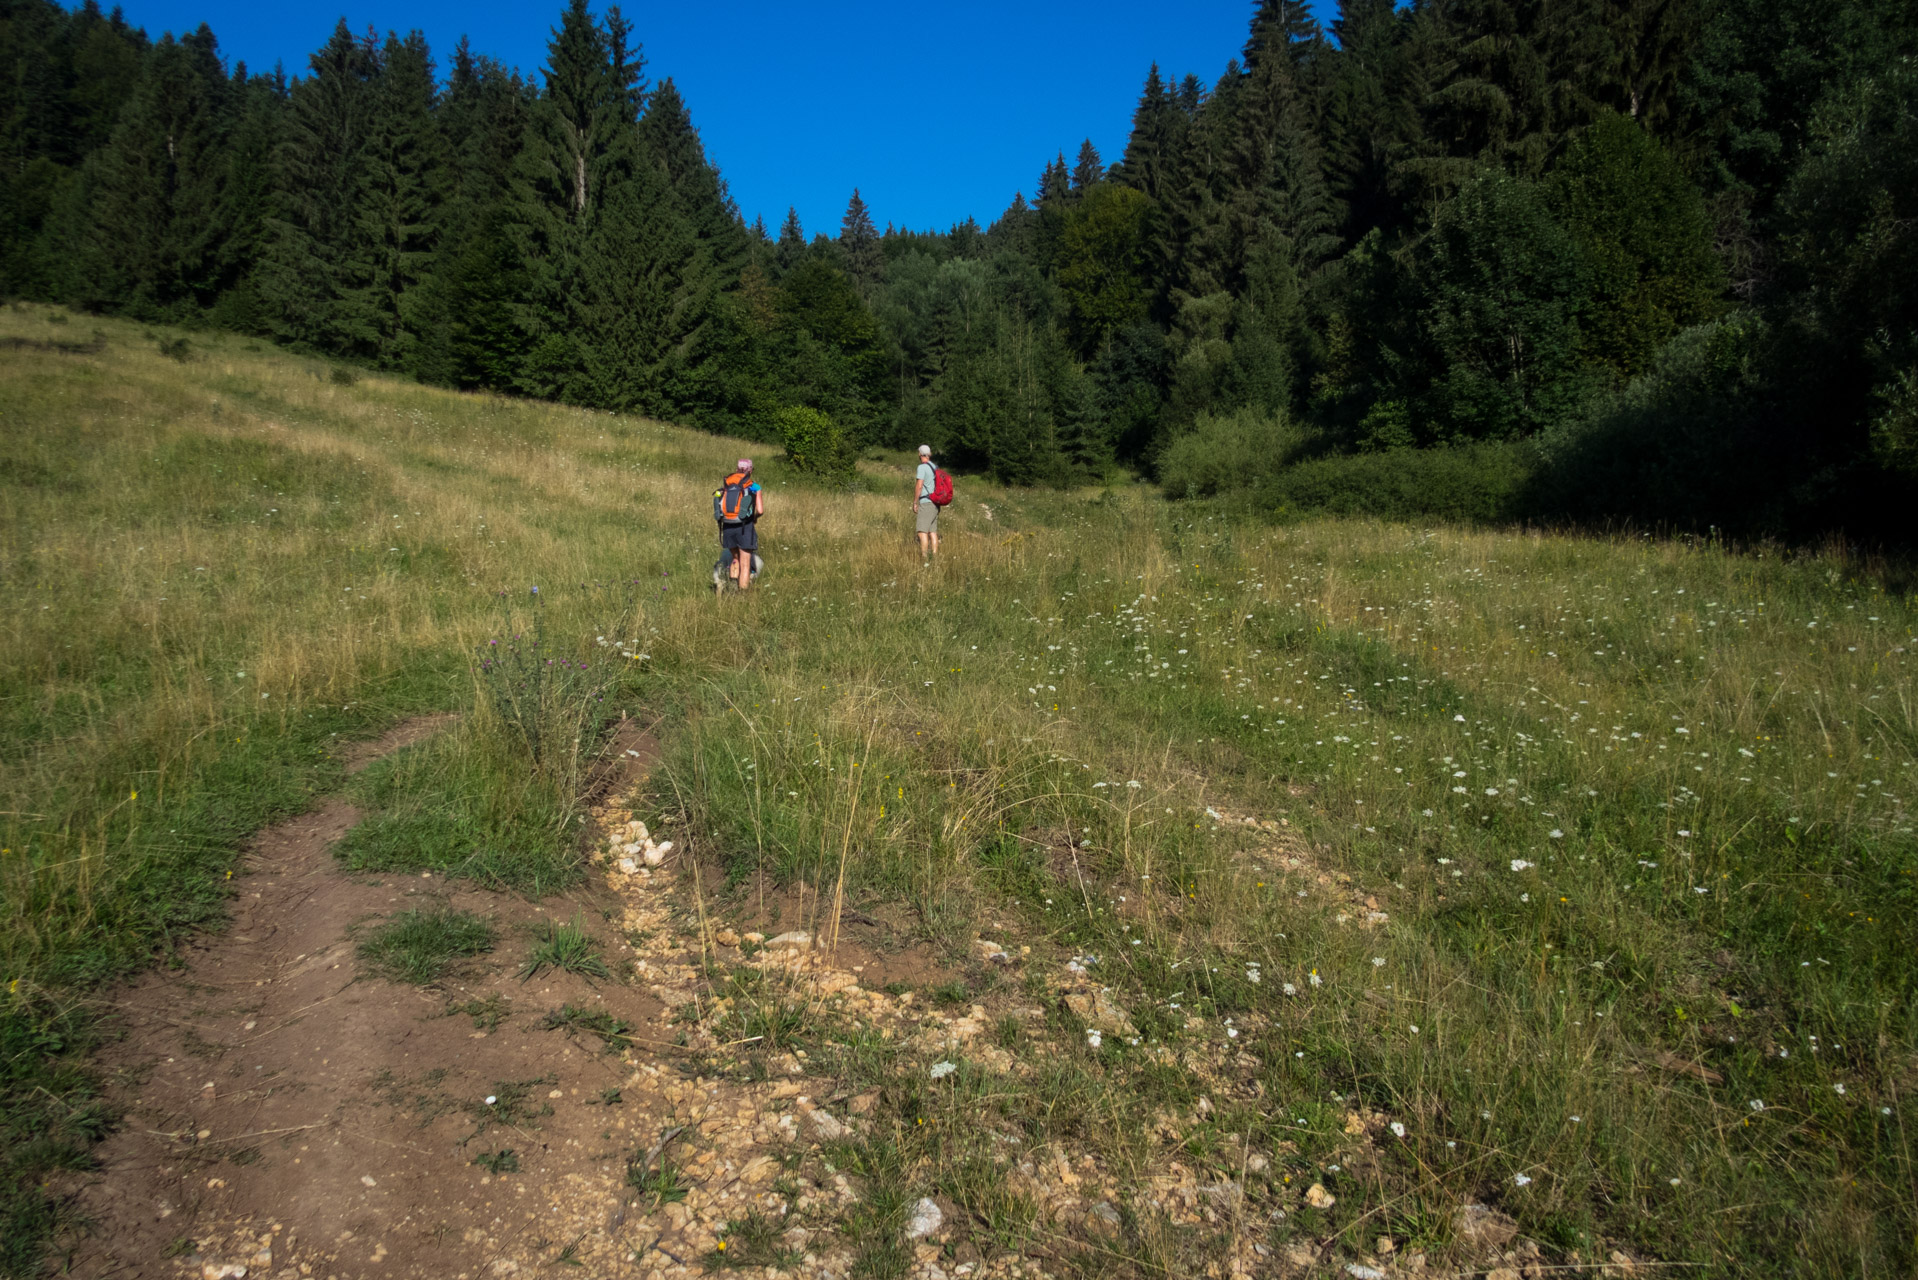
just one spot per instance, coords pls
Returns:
(745, 464)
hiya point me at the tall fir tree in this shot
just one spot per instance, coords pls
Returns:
(316, 265)
(155, 193)
(859, 245)
(1088, 169)
(791, 248)
(399, 194)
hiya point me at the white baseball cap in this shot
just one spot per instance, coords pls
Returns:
(925, 451)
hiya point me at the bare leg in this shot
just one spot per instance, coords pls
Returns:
(743, 569)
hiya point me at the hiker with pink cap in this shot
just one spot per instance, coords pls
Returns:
(737, 506)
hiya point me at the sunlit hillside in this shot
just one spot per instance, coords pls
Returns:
(1358, 892)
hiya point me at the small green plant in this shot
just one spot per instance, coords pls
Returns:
(652, 1174)
(952, 994)
(418, 945)
(547, 703)
(498, 1162)
(176, 349)
(486, 1014)
(611, 1030)
(511, 1103)
(609, 1098)
(751, 1241)
(567, 948)
(341, 376)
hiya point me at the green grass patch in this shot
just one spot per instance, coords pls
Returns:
(419, 945)
(498, 1162)
(567, 948)
(462, 807)
(611, 1031)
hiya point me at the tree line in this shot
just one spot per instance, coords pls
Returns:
(1642, 259)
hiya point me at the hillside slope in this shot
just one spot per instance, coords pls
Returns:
(1282, 899)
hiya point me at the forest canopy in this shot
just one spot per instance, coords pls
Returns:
(1641, 260)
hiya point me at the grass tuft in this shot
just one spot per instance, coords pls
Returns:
(418, 945)
(567, 948)
(610, 1030)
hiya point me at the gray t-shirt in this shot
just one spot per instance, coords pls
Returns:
(926, 478)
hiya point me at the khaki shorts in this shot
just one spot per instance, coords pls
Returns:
(928, 517)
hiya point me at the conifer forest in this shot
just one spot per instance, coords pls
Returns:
(1639, 262)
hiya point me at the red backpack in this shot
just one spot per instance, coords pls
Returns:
(941, 495)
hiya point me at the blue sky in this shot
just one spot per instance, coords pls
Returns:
(933, 112)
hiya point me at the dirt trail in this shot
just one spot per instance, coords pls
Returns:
(287, 1116)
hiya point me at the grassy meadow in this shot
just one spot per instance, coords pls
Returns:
(1585, 868)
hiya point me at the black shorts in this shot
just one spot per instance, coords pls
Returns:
(739, 537)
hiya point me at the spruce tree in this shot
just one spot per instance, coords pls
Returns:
(699, 193)
(859, 245)
(471, 318)
(155, 191)
(1371, 120)
(399, 194)
(316, 265)
(257, 111)
(1088, 169)
(1153, 148)
(792, 243)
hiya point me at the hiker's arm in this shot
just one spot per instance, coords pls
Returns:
(759, 503)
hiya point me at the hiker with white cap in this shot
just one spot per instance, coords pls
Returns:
(931, 490)
(737, 507)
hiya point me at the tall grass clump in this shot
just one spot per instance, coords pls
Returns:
(419, 945)
(498, 798)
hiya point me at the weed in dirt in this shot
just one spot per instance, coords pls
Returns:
(608, 1098)
(498, 1162)
(418, 945)
(659, 1178)
(574, 1019)
(511, 1103)
(950, 995)
(875, 1223)
(751, 1241)
(567, 948)
(486, 1014)
(765, 1013)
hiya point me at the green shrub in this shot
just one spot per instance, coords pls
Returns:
(815, 443)
(1470, 484)
(1683, 442)
(1229, 452)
